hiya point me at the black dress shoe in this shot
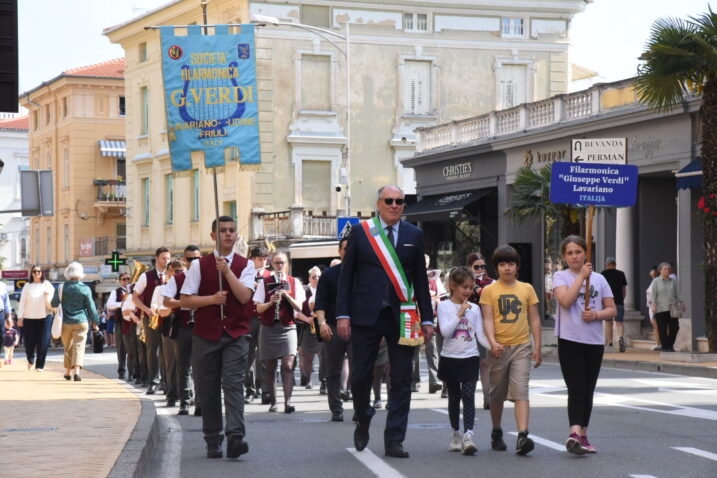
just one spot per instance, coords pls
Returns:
(289, 409)
(361, 436)
(197, 411)
(68, 377)
(171, 403)
(265, 399)
(138, 381)
(151, 390)
(415, 387)
(77, 378)
(214, 450)
(183, 409)
(121, 376)
(434, 388)
(395, 449)
(337, 416)
(236, 447)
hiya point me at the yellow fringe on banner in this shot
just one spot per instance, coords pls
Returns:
(250, 167)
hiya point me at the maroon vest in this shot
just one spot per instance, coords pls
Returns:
(208, 323)
(305, 309)
(184, 315)
(117, 313)
(286, 312)
(152, 283)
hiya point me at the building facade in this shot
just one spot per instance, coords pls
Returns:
(13, 227)
(410, 66)
(77, 131)
(466, 170)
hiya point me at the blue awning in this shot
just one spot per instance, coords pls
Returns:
(690, 177)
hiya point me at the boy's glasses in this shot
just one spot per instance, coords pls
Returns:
(390, 201)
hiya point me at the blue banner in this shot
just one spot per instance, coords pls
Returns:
(210, 95)
(594, 183)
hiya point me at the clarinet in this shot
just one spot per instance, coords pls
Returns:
(278, 304)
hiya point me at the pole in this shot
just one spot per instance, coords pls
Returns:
(589, 242)
(214, 175)
(348, 122)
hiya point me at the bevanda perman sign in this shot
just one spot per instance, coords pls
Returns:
(596, 184)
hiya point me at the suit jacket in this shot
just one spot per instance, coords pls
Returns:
(363, 281)
(326, 293)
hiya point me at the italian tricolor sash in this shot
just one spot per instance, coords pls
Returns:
(410, 324)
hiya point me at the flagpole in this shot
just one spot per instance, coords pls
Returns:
(216, 189)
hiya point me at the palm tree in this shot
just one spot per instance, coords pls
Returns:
(680, 60)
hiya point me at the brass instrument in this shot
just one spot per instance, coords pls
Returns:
(277, 305)
(139, 269)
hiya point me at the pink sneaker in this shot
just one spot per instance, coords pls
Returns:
(573, 445)
(586, 444)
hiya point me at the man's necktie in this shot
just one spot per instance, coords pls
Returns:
(389, 234)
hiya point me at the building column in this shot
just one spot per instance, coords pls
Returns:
(624, 252)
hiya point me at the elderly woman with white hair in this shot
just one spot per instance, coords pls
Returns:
(78, 309)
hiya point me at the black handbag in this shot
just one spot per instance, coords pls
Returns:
(98, 342)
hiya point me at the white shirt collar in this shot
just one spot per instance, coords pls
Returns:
(228, 257)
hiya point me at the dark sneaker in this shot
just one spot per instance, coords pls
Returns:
(236, 447)
(496, 440)
(214, 450)
(524, 445)
(621, 345)
(574, 446)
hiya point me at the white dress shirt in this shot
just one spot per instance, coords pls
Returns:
(194, 276)
(142, 281)
(112, 302)
(299, 294)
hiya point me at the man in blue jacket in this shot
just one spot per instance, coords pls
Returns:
(382, 288)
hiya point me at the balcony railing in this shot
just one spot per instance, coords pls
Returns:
(296, 223)
(105, 245)
(111, 191)
(594, 101)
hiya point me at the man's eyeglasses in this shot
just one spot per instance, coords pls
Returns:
(190, 259)
(315, 277)
(390, 201)
(124, 279)
(478, 267)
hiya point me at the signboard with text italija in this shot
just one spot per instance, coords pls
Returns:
(210, 95)
(594, 183)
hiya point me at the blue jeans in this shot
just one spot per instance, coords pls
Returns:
(37, 340)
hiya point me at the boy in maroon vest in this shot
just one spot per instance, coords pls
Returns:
(221, 341)
(142, 298)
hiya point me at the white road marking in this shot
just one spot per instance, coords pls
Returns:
(642, 476)
(170, 460)
(543, 441)
(440, 410)
(700, 391)
(697, 451)
(377, 466)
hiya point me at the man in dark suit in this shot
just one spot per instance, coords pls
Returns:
(368, 308)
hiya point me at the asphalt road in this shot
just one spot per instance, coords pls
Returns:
(643, 424)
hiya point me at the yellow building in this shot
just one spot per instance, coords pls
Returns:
(411, 66)
(77, 128)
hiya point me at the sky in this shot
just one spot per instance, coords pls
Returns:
(55, 35)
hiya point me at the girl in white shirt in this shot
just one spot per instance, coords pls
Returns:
(461, 325)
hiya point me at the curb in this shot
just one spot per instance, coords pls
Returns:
(135, 457)
(690, 370)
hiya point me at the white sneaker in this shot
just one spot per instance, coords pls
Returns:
(468, 447)
(455, 444)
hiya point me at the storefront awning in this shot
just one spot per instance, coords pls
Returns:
(117, 149)
(443, 207)
(690, 177)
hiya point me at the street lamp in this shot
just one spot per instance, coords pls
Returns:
(264, 20)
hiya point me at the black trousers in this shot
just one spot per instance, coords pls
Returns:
(151, 351)
(183, 353)
(37, 340)
(335, 350)
(667, 327)
(580, 364)
(121, 349)
(129, 342)
(365, 341)
(255, 367)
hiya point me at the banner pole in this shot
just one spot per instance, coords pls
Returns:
(589, 242)
(214, 175)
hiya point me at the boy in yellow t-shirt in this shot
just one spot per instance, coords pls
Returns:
(510, 315)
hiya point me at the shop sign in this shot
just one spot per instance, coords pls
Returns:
(600, 150)
(457, 171)
(21, 274)
(545, 157)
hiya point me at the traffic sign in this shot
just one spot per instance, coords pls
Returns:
(600, 150)
(596, 184)
(19, 284)
(344, 226)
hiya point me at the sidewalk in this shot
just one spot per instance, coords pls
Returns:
(649, 361)
(52, 427)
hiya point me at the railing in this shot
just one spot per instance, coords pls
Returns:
(111, 190)
(539, 114)
(105, 245)
(276, 224)
(293, 224)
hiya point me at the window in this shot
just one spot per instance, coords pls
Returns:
(415, 22)
(23, 249)
(67, 243)
(64, 107)
(195, 195)
(48, 252)
(316, 82)
(230, 209)
(121, 234)
(318, 16)
(512, 27)
(144, 100)
(316, 185)
(143, 52)
(66, 168)
(231, 155)
(145, 202)
(122, 109)
(122, 169)
(417, 87)
(169, 190)
(512, 80)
